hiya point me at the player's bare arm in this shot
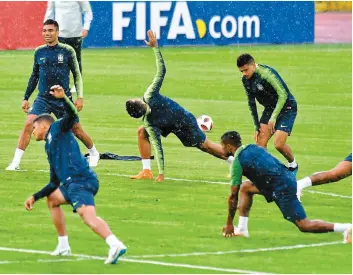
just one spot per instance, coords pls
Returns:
(228, 229)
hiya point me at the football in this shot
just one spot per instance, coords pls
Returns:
(205, 123)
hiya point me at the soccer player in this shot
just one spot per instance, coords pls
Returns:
(52, 65)
(341, 171)
(264, 84)
(272, 179)
(68, 14)
(162, 116)
(71, 179)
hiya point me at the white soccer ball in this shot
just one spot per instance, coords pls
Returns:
(205, 123)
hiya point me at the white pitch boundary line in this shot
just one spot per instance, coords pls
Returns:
(227, 183)
(43, 261)
(219, 182)
(328, 194)
(230, 270)
(240, 251)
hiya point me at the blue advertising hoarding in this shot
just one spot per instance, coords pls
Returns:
(121, 23)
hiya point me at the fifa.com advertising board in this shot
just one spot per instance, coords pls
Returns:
(201, 23)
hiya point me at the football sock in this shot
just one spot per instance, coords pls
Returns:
(93, 150)
(146, 164)
(292, 164)
(63, 241)
(243, 224)
(112, 241)
(341, 227)
(304, 183)
(18, 156)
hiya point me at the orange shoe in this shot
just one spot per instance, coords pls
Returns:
(143, 175)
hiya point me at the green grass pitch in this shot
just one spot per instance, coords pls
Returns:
(179, 216)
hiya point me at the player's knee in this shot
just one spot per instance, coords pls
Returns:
(51, 202)
(304, 226)
(28, 127)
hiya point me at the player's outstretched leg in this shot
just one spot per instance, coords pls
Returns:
(100, 227)
(87, 141)
(216, 150)
(23, 142)
(341, 171)
(54, 201)
(318, 226)
(145, 153)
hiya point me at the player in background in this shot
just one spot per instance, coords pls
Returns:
(71, 179)
(162, 116)
(68, 14)
(341, 171)
(272, 179)
(264, 84)
(52, 65)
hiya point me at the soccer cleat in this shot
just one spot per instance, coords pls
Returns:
(13, 167)
(143, 175)
(59, 251)
(294, 170)
(93, 160)
(115, 253)
(239, 233)
(347, 235)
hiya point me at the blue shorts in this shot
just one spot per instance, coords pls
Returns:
(286, 199)
(79, 194)
(349, 158)
(285, 119)
(188, 132)
(44, 105)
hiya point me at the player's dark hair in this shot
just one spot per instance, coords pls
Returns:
(245, 59)
(135, 108)
(51, 22)
(232, 138)
(44, 118)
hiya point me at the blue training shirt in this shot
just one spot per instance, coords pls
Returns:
(265, 171)
(67, 164)
(52, 66)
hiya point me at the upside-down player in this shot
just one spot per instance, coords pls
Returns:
(162, 116)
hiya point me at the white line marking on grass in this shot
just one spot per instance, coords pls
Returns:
(218, 182)
(328, 194)
(43, 261)
(239, 251)
(231, 270)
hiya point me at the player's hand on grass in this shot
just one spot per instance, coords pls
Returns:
(25, 106)
(228, 230)
(79, 104)
(271, 127)
(29, 203)
(152, 40)
(57, 91)
(160, 178)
